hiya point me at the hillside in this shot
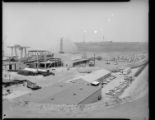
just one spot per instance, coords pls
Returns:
(139, 87)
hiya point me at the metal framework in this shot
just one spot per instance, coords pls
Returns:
(16, 47)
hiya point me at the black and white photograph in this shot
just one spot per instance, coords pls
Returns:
(75, 60)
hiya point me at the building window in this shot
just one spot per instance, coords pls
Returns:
(10, 67)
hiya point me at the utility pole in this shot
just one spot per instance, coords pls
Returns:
(37, 61)
(94, 59)
(21, 51)
(15, 51)
(84, 35)
(9, 68)
(25, 51)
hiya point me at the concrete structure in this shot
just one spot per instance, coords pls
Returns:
(98, 75)
(76, 92)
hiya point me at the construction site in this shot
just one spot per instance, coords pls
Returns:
(75, 60)
(80, 81)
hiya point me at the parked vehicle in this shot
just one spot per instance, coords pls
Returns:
(91, 63)
(32, 85)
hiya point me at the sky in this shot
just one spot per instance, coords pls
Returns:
(42, 25)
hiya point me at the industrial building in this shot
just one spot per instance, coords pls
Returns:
(76, 62)
(76, 92)
(13, 66)
(98, 75)
(42, 59)
(80, 61)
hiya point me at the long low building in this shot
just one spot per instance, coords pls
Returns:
(80, 61)
(98, 75)
(74, 93)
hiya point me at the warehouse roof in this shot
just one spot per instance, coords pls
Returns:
(63, 93)
(80, 60)
(74, 94)
(95, 75)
